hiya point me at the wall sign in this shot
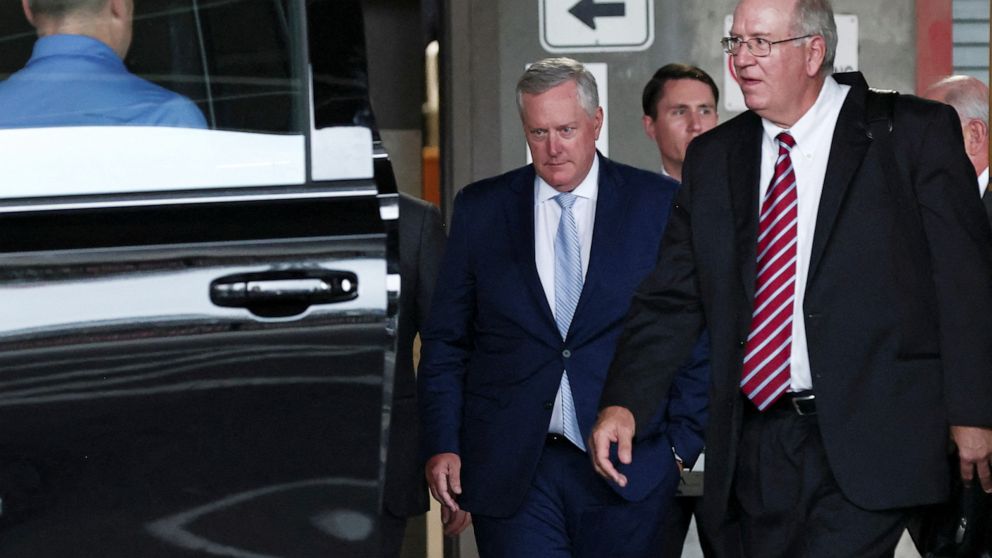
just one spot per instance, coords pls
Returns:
(596, 25)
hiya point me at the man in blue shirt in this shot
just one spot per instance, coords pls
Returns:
(76, 75)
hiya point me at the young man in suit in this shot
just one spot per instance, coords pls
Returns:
(831, 243)
(540, 267)
(679, 103)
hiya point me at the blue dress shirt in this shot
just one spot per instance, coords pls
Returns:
(75, 80)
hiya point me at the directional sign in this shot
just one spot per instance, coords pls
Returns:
(588, 10)
(596, 25)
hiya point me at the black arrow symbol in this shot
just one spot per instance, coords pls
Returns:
(588, 10)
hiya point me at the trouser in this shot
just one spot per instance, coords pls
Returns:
(789, 503)
(570, 511)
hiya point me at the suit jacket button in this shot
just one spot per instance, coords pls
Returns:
(548, 405)
(566, 353)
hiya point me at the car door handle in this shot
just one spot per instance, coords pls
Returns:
(283, 292)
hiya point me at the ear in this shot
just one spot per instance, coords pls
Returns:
(976, 135)
(648, 126)
(599, 120)
(816, 51)
(118, 8)
(26, 6)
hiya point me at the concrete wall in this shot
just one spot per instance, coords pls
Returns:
(490, 42)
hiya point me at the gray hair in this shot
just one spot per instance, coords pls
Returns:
(816, 17)
(61, 8)
(968, 95)
(552, 72)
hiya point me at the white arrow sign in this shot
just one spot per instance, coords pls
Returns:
(596, 25)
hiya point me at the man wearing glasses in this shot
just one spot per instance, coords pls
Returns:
(831, 243)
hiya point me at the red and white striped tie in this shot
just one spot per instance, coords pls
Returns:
(769, 345)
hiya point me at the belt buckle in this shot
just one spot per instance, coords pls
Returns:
(795, 403)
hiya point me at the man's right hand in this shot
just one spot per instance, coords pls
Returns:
(454, 522)
(444, 477)
(614, 426)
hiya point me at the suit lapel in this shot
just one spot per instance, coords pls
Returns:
(519, 212)
(610, 207)
(987, 202)
(847, 149)
(745, 173)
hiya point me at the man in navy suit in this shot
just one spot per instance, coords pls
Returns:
(539, 271)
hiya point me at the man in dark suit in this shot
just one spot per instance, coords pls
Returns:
(680, 103)
(962, 526)
(421, 245)
(539, 271)
(850, 319)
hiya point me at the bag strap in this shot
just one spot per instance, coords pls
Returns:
(879, 108)
(879, 111)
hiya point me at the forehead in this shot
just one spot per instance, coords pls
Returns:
(763, 17)
(559, 102)
(686, 91)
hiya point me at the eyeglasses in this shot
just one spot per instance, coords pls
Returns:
(757, 46)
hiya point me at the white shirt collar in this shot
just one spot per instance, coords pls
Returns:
(831, 94)
(588, 188)
(983, 181)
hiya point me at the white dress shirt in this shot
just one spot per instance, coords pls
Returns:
(813, 133)
(983, 181)
(547, 213)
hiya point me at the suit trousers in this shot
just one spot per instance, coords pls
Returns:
(392, 529)
(789, 502)
(716, 541)
(570, 511)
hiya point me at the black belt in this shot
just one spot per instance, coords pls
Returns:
(802, 403)
(553, 439)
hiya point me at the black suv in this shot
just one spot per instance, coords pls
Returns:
(196, 325)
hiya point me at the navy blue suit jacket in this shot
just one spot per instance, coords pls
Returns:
(492, 356)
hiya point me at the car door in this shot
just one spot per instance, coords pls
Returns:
(196, 325)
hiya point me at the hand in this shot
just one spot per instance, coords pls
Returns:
(444, 477)
(975, 451)
(455, 522)
(615, 425)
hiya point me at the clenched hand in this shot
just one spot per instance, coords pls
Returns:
(614, 426)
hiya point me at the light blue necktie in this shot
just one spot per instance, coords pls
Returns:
(568, 287)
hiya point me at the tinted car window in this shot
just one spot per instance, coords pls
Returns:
(240, 64)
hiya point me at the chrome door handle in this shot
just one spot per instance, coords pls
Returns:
(283, 292)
